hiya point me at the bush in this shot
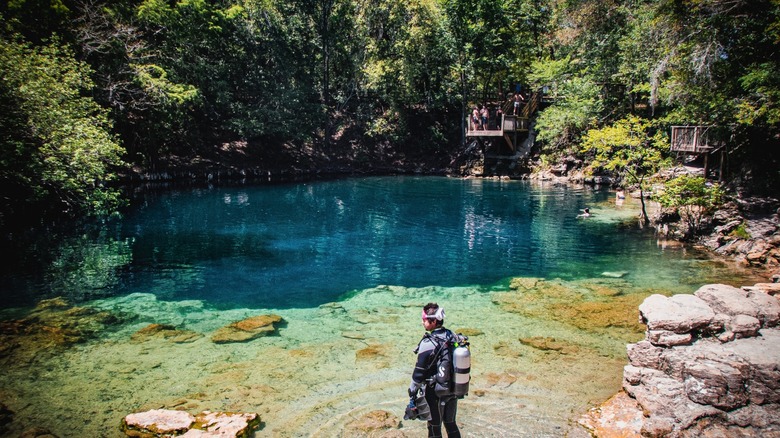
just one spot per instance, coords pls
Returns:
(694, 197)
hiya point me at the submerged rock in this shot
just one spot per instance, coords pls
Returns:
(524, 283)
(50, 327)
(550, 344)
(247, 329)
(372, 424)
(584, 306)
(614, 274)
(165, 331)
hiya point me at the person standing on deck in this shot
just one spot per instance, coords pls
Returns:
(516, 104)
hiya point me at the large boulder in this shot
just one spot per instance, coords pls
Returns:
(724, 381)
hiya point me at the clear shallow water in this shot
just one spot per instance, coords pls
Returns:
(347, 264)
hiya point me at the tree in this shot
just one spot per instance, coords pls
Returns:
(576, 106)
(57, 153)
(693, 197)
(631, 148)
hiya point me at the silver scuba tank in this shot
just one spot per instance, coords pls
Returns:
(461, 364)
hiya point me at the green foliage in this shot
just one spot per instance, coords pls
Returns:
(693, 197)
(740, 232)
(576, 108)
(631, 148)
(57, 150)
(761, 104)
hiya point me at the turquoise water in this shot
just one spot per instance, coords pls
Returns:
(302, 245)
(549, 301)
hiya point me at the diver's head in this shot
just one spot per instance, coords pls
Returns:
(433, 314)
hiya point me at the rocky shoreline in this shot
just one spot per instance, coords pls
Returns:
(709, 366)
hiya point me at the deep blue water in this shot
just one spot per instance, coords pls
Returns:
(304, 244)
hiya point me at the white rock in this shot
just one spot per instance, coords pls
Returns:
(678, 314)
(159, 421)
(727, 299)
(744, 326)
(666, 338)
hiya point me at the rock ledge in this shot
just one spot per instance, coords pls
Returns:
(709, 366)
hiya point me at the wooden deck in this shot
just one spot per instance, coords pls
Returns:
(695, 139)
(508, 128)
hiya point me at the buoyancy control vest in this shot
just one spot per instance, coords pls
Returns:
(452, 360)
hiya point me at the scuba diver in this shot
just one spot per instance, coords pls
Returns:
(443, 409)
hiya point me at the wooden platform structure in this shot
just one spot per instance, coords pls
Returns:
(700, 140)
(506, 126)
(696, 139)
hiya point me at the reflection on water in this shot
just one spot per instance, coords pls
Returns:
(548, 300)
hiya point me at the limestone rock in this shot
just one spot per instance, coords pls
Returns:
(725, 381)
(157, 422)
(770, 288)
(717, 383)
(165, 423)
(727, 299)
(744, 326)
(619, 417)
(768, 307)
(668, 339)
(247, 329)
(224, 425)
(678, 314)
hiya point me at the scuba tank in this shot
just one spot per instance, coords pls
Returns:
(461, 366)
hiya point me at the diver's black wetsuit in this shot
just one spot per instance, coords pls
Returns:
(442, 410)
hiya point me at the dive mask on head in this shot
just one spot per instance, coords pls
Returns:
(439, 315)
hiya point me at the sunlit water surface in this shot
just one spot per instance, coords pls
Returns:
(347, 264)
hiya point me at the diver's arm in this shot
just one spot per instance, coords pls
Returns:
(422, 370)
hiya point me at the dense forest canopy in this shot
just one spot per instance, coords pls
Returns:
(91, 88)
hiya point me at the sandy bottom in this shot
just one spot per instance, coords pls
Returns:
(537, 364)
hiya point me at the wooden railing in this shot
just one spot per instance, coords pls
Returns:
(694, 139)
